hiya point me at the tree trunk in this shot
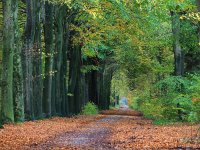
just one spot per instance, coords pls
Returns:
(27, 63)
(53, 91)
(178, 53)
(198, 7)
(107, 78)
(49, 52)
(17, 74)
(93, 93)
(7, 62)
(58, 55)
(37, 60)
(64, 69)
(74, 78)
(101, 89)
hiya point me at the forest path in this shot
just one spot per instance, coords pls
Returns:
(121, 130)
(91, 136)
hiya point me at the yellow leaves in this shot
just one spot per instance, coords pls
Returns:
(192, 16)
(182, 17)
(61, 2)
(88, 52)
(94, 12)
(106, 4)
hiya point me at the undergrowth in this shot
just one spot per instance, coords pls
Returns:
(173, 99)
(90, 109)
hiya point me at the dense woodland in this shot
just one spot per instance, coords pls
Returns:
(56, 55)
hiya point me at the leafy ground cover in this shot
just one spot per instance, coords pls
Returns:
(111, 131)
(22, 136)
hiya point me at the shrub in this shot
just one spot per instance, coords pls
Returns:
(134, 103)
(90, 109)
(152, 110)
(171, 99)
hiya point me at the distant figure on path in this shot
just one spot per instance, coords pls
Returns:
(123, 102)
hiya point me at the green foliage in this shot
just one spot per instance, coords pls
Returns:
(88, 68)
(90, 109)
(134, 103)
(172, 99)
(162, 122)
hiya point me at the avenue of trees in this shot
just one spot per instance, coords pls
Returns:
(56, 55)
(43, 73)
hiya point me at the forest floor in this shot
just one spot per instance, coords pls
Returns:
(113, 129)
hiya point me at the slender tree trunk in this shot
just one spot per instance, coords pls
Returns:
(178, 53)
(27, 63)
(58, 56)
(77, 91)
(198, 7)
(102, 89)
(7, 62)
(49, 52)
(64, 68)
(107, 78)
(74, 78)
(93, 91)
(37, 60)
(17, 74)
(1, 51)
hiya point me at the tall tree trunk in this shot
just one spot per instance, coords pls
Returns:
(178, 53)
(58, 55)
(74, 78)
(77, 91)
(64, 68)
(27, 63)
(102, 88)
(7, 62)
(106, 91)
(17, 74)
(37, 60)
(93, 91)
(198, 7)
(53, 91)
(48, 29)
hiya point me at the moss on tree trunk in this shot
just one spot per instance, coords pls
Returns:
(48, 31)
(17, 74)
(7, 62)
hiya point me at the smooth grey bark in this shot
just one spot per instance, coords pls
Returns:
(27, 52)
(178, 53)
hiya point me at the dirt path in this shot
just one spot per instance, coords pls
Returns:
(125, 130)
(91, 136)
(114, 130)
